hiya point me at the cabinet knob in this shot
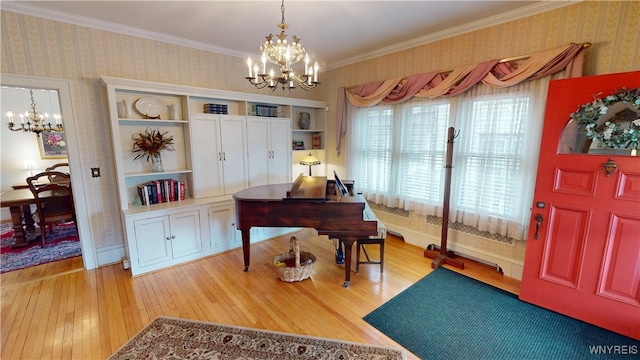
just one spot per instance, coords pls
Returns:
(168, 238)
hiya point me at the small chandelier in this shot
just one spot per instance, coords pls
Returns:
(285, 55)
(34, 121)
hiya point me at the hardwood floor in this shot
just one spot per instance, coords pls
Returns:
(61, 311)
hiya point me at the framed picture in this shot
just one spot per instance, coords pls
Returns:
(53, 145)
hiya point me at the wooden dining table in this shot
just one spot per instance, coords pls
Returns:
(19, 202)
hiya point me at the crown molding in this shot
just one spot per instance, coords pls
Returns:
(26, 9)
(523, 12)
(543, 6)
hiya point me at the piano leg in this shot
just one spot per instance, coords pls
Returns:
(348, 245)
(246, 246)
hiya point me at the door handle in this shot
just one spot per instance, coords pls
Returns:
(539, 220)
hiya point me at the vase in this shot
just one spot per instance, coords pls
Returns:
(121, 109)
(172, 110)
(156, 162)
(304, 121)
(127, 109)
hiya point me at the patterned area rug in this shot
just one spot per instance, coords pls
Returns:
(171, 338)
(63, 244)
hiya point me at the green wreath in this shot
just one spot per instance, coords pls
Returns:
(610, 135)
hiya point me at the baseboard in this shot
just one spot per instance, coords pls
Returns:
(111, 254)
(510, 267)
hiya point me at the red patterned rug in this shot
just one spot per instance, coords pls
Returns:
(63, 243)
(171, 338)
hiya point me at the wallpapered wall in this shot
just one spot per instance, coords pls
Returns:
(39, 47)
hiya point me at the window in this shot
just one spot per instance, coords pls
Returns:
(398, 154)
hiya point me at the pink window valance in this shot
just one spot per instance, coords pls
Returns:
(494, 73)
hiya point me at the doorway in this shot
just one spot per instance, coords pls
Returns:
(63, 89)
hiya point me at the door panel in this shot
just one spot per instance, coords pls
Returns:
(207, 161)
(185, 234)
(152, 241)
(258, 139)
(564, 246)
(583, 248)
(234, 159)
(621, 258)
(280, 144)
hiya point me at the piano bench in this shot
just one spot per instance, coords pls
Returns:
(371, 240)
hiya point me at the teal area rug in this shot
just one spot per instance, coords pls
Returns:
(446, 315)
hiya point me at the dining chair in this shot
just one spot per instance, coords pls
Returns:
(54, 200)
(55, 167)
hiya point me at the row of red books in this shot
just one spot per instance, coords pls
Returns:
(161, 191)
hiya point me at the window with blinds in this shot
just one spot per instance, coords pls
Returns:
(399, 153)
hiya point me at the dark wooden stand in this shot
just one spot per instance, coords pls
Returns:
(443, 256)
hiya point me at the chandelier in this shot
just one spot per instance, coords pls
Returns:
(34, 121)
(284, 54)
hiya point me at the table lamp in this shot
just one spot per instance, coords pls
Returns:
(29, 164)
(310, 160)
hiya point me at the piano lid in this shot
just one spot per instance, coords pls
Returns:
(308, 188)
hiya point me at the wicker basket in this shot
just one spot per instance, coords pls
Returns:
(295, 265)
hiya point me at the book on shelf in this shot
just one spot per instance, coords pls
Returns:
(266, 110)
(161, 191)
(315, 141)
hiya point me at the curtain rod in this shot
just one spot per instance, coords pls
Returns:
(585, 45)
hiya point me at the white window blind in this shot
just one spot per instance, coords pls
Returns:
(397, 156)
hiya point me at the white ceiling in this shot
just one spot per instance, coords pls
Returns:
(335, 33)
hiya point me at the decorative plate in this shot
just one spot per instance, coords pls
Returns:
(150, 107)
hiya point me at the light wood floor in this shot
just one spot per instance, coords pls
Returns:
(60, 311)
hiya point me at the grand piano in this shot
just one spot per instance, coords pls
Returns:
(307, 202)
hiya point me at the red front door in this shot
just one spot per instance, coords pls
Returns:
(584, 261)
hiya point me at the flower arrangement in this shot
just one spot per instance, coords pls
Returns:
(56, 141)
(150, 143)
(610, 135)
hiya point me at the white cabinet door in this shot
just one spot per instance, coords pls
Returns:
(164, 238)
(219, 155)
(269, 150)
(280, 145)
(258, 151)
(153, 241)
(207, 156)
(185, 233)
(234, 152)
(222, 229)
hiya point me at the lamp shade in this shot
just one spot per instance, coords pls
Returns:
(28, 164)
(310, 160)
